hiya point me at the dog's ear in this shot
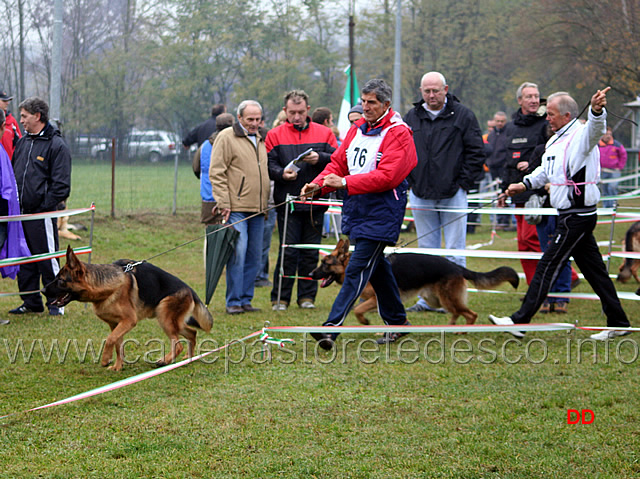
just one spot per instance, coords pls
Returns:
(343, 246)
(72, 260)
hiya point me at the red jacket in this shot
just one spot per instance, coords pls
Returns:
(375, 201)
(398, 159)
(284, 143)
(11, 130)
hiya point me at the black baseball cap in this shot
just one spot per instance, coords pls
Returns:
(4, 95)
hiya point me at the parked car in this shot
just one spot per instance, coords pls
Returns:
(153, 145)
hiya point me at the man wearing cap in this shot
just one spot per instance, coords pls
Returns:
(355, 113)
(12, 132)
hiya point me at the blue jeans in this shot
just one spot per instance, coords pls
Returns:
(431, 225)
(609, 189)
(269, 225)
(242, 267)
(368, 264)
(546, 229)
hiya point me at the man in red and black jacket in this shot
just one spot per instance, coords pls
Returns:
(284, 144)
(371, 166)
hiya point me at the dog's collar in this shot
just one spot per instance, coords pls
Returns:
(129, 267)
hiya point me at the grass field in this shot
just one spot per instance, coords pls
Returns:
(456, 406)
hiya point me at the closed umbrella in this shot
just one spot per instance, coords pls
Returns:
(221, 240)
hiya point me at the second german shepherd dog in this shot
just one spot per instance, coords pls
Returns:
(439, 281)
(121, 298)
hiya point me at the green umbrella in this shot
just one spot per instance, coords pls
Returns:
(221, 240)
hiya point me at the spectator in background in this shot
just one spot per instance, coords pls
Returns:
(12, 131)
(205, 129)
(526, 130)
(322, 116)
(12, 241)
(42, 167)
(304, 226)
(497, 158)
(223, 121)
(450, 152)
(240, 185)
(613, 158)
(262, 280)
(355, 113)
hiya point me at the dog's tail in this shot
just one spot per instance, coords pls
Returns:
(493, 278)
(201, 317)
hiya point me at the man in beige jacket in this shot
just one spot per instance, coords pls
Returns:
(240, 184)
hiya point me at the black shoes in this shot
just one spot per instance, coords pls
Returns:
(392, 337)
(325, 340)
(22, 309)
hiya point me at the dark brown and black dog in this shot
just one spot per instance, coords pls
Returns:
(632, 244)
(439, 281)
(121, 299)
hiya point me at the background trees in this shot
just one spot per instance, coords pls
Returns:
(153, 64)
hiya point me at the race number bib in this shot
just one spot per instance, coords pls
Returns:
(363, 152)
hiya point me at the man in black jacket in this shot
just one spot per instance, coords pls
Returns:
(496, 160)
(205, 129)
(42, 166)
(526, 130)
(450, 151)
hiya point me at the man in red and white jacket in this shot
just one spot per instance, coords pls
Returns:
(371, 165)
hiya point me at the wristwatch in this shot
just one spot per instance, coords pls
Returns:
(344, 182)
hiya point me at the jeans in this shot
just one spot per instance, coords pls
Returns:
(368, 264)
(430, 225)
(573, 236)
(242, 267)
(546, 229)
(609, 189)
(269, 225)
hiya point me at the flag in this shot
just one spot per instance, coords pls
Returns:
(343, 118)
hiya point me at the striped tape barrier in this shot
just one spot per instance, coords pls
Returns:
(267, 339)
(48, 214)
(134, 379)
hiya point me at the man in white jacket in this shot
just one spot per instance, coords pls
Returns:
(571, 164)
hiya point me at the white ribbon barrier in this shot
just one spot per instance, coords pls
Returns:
(47, 214)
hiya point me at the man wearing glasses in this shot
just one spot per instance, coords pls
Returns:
(450, 151)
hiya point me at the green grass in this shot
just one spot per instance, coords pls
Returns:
(391, 413)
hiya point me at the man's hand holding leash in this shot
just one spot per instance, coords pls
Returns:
(330, 181)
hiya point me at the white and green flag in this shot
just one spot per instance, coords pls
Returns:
(343, 120)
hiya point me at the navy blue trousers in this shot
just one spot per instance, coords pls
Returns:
(368, 264)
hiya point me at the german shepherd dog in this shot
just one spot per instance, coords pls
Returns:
(122, 298)
(439, 281)
(631, 243)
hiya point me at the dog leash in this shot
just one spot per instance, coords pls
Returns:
(449, 222)
(224, 227)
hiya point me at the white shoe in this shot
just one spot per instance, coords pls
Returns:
(307, 305)
(279, 307)
(505, 321)
(609, 334)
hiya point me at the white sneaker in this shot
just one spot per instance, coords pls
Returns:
(279, 307)
(307, 305)
(505, 321)
(610, 334)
